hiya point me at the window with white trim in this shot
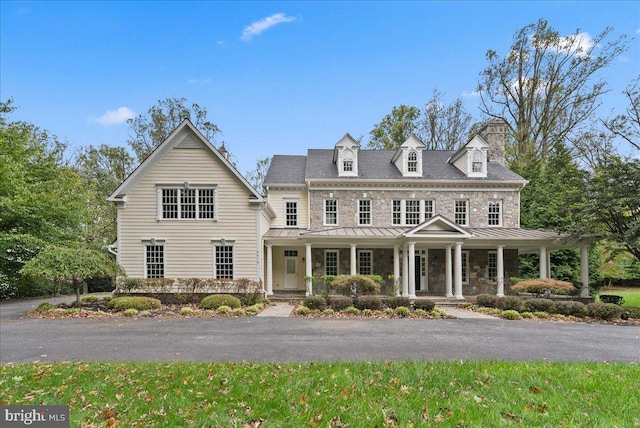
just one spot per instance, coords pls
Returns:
(223, 261)
(154, 261)
(412, 162)
(291, 213)
(396, 212)
(495, 213)
(461, 212)
(428, 209)
(330, 212)
(331, 262)
(365, 262)
(364, 212)
(492, 266)
(465, 267)
(477, 161)
(412, 212)
(187, 203)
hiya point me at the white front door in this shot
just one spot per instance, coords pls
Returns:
(290, 273)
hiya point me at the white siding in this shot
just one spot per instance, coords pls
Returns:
(462, 163)
(188, 246)
(279, 267)
(277, 198)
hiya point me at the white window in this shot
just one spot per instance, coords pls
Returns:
(365, 262)
(412, 212)
(364, 212)
(291, 215)
(223, 261)
(331, 262)
(412, 162)
(492, 266)
(154, 261)
(495, 213)
(465, 267)
(187, 203)
(428, 209)
(477, 162)
(396, 212)
(330, 212)
(461, 212)
(347, 161)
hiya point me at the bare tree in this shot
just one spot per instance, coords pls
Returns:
(627, 126)
(444, 127)
(546, 86)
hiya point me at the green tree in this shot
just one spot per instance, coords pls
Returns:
(627, 125)
(102, 170)
(547, 85)
(256, 177)
(148, 131)
(395, 128)
(74, 264)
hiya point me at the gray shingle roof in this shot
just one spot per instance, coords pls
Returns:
(373, 165)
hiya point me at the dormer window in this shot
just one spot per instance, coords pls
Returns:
(477, 161)
(347, 161)
(345, 156)
(412, 162)
(471, 159)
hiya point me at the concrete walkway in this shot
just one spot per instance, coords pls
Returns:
(466, 314)
(277, 310)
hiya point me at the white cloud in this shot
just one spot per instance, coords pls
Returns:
(264, 24)
(576, 44)
(200, 81)
(470, 94)
(115, 117)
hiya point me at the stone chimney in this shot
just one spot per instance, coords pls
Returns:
(493, 133)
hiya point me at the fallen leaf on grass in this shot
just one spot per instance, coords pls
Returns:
(254, 424)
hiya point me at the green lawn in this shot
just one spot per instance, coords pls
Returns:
(631, 295)
(460, 394)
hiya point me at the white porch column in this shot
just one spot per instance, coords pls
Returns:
(308, 270)
(412, 270)
(543, 262)
(584, 271)
(353, 260)
(269, 270)
(548, 264)
(448, 272)
(396, 268)
(405, 271)
(457, 261)
(500, 269)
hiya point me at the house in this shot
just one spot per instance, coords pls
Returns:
(438, 222)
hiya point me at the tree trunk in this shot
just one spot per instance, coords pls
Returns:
(76, 285)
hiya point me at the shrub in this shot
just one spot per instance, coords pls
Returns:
(487, 300)
(509, 303)
(438, 312)
(396, 302)
(402, 311)
(538, 305)
(224, 309)
(131, 312)
(44, 307)
(541, 315)
(303, 310)
(215, 301)
(425, 305)
(369, 302)
(134, 302)
(526, 315)
(367, 312)
(540, 286)
(611, 298)
(604, 311)
(632, 312)
(89, 299)
(186, 311)
(254, 309)
(511, 315)
(420, 312)
(238, 312)
(315, 303)
(351, 310)
(339, 303)
(389, 311)
(144, 313)
(328, 311)
(376, 278)
(355, 285)
(130, 284)
(569, 308)
(107, 298)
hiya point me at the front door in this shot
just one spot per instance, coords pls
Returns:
(290, 273)
(421, 273)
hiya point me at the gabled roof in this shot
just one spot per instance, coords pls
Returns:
(476, 141)
(438, 226)
(164, 148)
(412, 142)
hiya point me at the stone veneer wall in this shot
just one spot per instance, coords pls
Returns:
(383, 266)
(444, 205)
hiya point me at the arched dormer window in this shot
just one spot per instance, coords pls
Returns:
(477, 161)
(412, 162)
(347, 161)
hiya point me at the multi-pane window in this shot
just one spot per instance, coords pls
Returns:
(396, 213)
(492, 266)
(330, 212)
(495, 213)
(412, 162)
(154, 261)
(365, 265)
(477, 161)
(331, 262)
(347, 166)
(465, 267)
(188, 203)
(223, 268)
(461, 212)
(428, 209)
(364, 212)
(291, 253)
(291, 215)
(412, 212)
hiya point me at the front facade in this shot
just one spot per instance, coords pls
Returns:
(434, 222)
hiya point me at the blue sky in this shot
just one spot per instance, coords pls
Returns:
(276, 77)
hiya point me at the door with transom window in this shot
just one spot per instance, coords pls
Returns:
(290, 273)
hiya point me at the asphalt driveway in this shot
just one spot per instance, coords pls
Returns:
(296, 340)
